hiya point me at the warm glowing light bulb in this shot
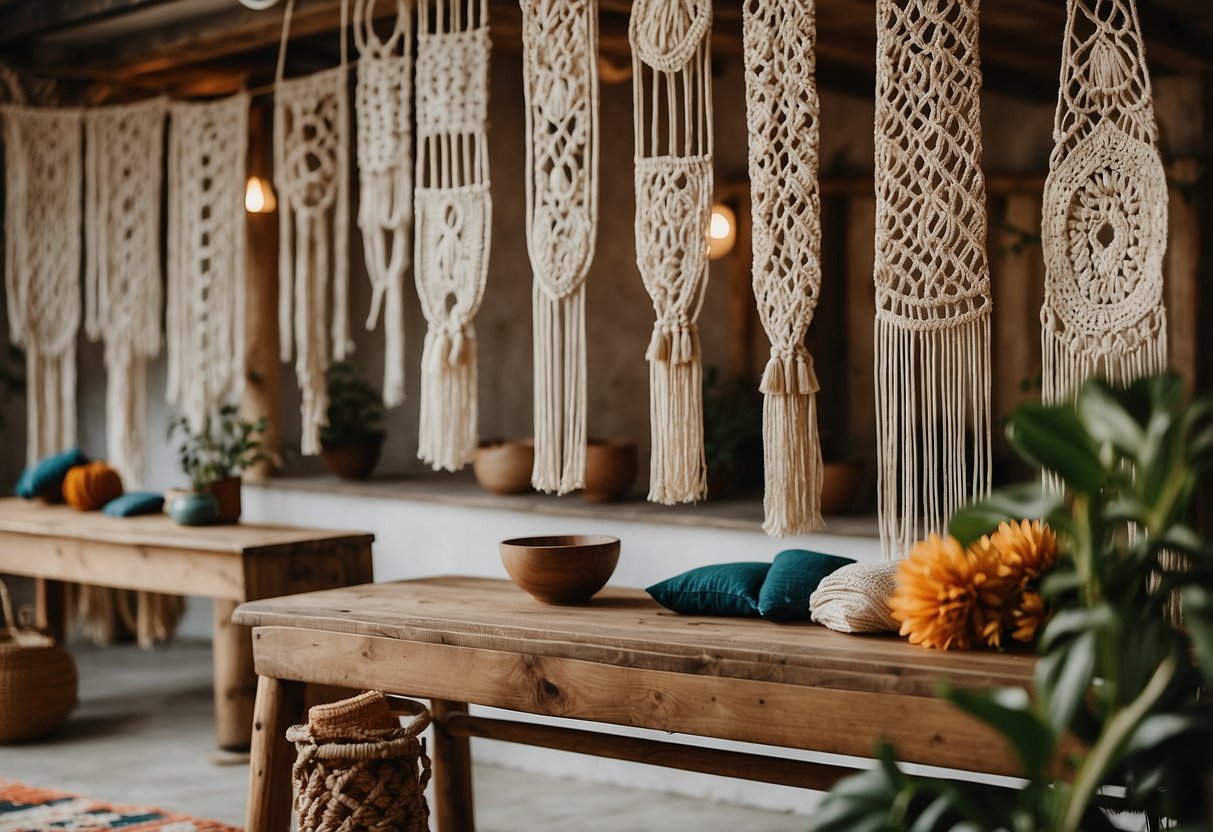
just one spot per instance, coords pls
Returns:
(720, 226)
(259, 196)
(722, 231)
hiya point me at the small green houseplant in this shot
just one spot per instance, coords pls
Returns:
(353, 438)
(732, 433)
(213, 457)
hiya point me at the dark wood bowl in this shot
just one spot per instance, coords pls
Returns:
(561, 569)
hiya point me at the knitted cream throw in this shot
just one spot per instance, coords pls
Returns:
(43, 160)
(124, 152)
(932, 278)
(1105, 208)
(560, 71)
(206, 254)
(311, 172)
(383, 108)
(782, 115)
(672, 101)
(855, 598)
(454, 219)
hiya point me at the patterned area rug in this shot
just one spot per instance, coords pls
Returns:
(28, 809)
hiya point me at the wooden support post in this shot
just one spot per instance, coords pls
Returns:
(50, 603)
(742, 313)
(1181, 269)
(279, 705)
(235, 681)
(452, 772)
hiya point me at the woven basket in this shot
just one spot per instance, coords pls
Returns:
(358, 769)
(38, 679)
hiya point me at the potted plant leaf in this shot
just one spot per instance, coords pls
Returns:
(213, 457)
(351, 442)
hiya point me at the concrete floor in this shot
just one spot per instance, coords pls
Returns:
(143, 734)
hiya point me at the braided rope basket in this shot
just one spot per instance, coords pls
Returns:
(38, 679)
(358, 769)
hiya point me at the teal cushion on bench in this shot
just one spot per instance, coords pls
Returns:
(45, 477)
(793, 577)
(724, 589)
(133, 503)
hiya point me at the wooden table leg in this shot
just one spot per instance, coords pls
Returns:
(279, 705)
(452, 772)
(235, 680)
(51, 607)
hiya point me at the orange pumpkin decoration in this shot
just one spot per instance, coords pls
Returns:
(89, 487)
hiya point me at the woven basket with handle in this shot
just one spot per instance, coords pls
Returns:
(38, 681)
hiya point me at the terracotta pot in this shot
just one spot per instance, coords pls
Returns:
(839, 486)
(227, 493)
(503, 466)
(561, 569)
(610, 470)
(353, 460)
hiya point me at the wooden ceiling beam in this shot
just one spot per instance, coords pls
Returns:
(27, 18)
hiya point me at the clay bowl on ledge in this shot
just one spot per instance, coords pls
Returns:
(561, 569)
(503, 466)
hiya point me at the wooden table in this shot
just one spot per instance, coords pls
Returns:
(620, 659)
(230, 564)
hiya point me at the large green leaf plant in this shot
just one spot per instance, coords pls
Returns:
(1115, 672)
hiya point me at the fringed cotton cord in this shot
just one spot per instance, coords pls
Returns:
(678, 471)
(449, 386)
(560, 391)
(792, 462)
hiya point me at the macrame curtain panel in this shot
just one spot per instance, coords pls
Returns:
(454, 214)
(672, 105)
(1104, 227)
(124, 154)
(560, 70)
(782, 114)
(43, 175)
(206, 254)
(931, 274)
(383, 108)
(311, 173)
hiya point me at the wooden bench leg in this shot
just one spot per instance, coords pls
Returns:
(51, 607)
(235, 679)
(452, 772)
(279, 705)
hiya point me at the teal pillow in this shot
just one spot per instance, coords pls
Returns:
(793, 577)
(727, 589)
(133, 503)
(45, 477)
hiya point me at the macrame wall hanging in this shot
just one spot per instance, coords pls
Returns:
(311, 173)
(1104, 226)
(932, 278)
(124, 151)
(560, 70)
(43, 167)
(672, 104)
(383, 107)
(206, 254)
(454, 212)
(782, 113)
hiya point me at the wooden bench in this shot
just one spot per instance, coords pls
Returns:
(620, 659)
(230, 564)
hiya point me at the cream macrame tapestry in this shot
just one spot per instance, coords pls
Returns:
(932, 278)
(560, 72)
(782, 113)
(1104, 227)
(672, 104)
(383, 107)
(43, 176)
(311, 173)
(454, 212)
(206, 254)
(124, 152)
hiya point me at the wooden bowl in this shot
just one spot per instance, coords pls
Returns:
(561, 569)
(503, 466)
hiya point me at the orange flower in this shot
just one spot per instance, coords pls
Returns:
(1028, 616)
(1027, 547)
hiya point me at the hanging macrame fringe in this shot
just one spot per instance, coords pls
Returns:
(385, 225)
(933, 423)
(678, 471)
(792, 449)
(1065, 366)
(447, 438)
(51, 395)
(560, 391)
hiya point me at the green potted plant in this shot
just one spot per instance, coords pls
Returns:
(732, 434)
(351, 441)
(213, 457)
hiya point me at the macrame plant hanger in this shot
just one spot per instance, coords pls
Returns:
(932, 277)
(672, 103)
(124, 152)
(43, 166)
(383, 108)
(311, 173)
(782, 113)
(454, 213)
(560, 71)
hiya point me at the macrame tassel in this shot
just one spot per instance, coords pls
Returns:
(448, 386)
(560, 392)
(791, 448)
(678, 470)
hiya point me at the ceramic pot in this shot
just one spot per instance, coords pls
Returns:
(353, 460)
(503, 466)
(195, 508)
(610, 470)
(839, 486)
(227, 493)
(561, 569)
